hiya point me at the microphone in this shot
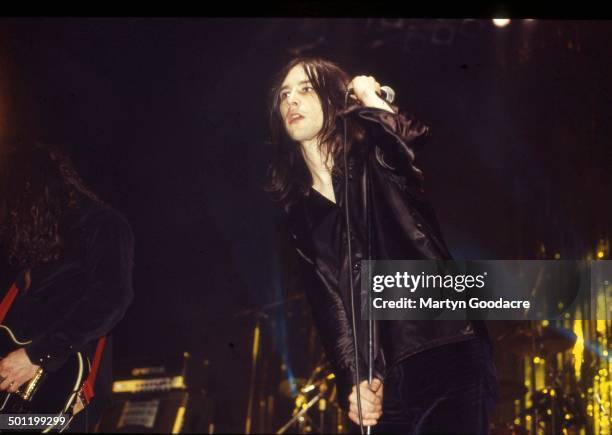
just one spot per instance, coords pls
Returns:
(386, 93)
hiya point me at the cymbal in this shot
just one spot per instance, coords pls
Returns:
(557, 340)
(532, 342)
(507, 428)
(287, 387)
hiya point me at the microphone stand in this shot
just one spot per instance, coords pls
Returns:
(370, 350)
(260, 314)
(371, 334)
(388, 94)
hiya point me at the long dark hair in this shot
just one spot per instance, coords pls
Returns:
(38, 185)
(288, 175)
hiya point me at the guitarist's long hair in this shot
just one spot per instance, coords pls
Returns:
(38, 185)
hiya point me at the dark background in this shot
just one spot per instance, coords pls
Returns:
(166, 119)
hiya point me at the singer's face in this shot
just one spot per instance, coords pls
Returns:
(300, 106)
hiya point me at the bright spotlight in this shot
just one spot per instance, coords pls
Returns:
(501, 22)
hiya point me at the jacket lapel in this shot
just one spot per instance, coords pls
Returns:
(297, 225)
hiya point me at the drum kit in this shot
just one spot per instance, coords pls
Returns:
(540, 390)
(556, 403)
(316, 409)
(553, 378)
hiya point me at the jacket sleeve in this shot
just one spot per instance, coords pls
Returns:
(393, 136)
(334, 327)
(106, 295)
(333, 324)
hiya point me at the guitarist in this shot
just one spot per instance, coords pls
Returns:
(75, 255)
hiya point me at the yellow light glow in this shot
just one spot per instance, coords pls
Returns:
(529, 368)
(178, 422)
(578, 348)
(600, 254)
(557, 256)
(601, 325)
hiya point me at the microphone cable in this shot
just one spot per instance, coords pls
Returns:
(350, 256)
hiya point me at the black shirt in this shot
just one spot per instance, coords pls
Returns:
(326, 227)
(80, 297)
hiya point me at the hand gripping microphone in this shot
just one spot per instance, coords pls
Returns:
(386, 93)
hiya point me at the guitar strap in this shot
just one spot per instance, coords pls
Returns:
(7, 301)
(88, 386)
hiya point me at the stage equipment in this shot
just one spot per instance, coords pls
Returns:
(316, 408)
(160, 397)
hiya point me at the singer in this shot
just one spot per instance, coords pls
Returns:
(429, 376)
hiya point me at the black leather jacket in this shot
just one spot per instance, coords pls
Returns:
(389, 219)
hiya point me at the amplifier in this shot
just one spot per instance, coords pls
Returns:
(159, 398)
(146, 375)
(146, 413)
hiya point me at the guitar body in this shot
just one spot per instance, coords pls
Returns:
(47, 393)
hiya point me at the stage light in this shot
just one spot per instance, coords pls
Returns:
(600, 254)
(501, 22)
